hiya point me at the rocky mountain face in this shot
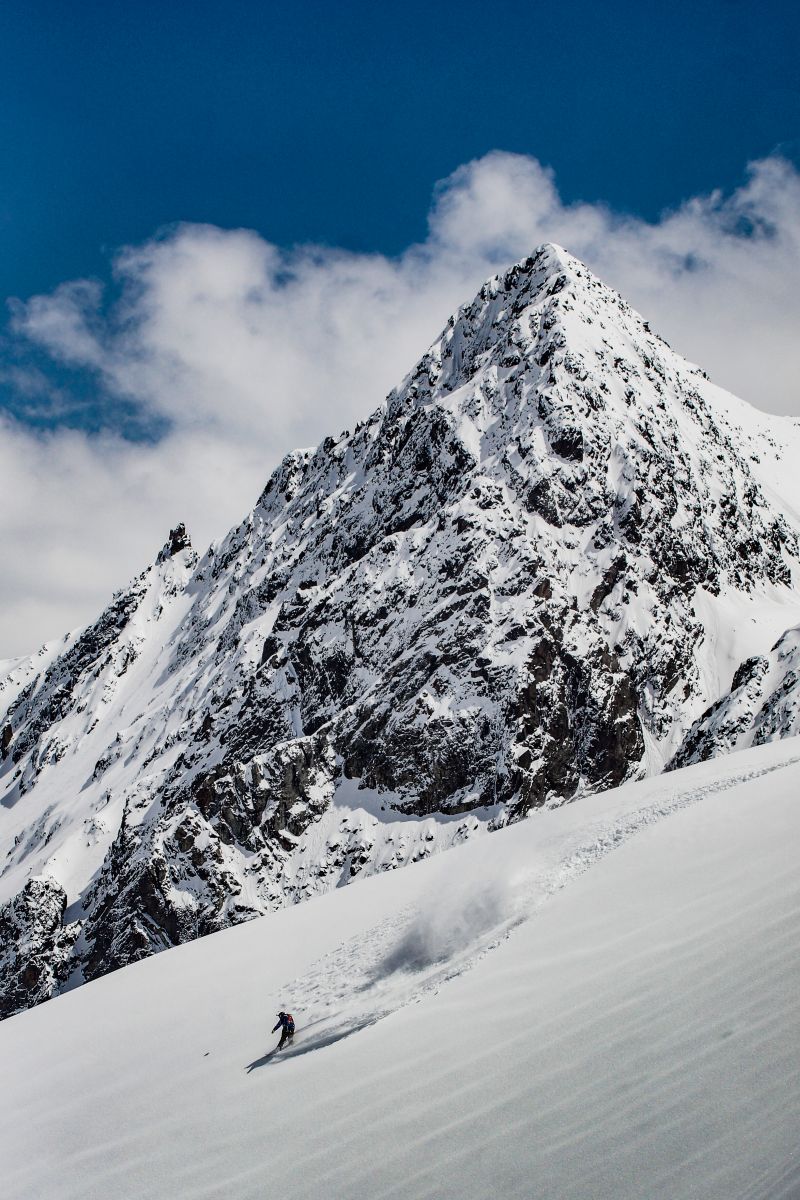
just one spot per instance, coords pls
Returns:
(525, 576)
(763, 704)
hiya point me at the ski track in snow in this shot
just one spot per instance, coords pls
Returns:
(412, 954)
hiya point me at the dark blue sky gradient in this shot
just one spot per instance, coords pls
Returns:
(322, 122)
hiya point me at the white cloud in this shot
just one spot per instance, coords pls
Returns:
(246, 350)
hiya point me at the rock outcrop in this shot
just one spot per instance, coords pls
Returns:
(35, 944)
(763, 704)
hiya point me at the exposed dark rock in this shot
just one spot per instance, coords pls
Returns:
(34, 945)
(178, 540)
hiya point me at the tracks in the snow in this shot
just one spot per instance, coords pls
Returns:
(412, 953)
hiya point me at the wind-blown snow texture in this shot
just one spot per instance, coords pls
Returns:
(524, 578)
(600, 1002)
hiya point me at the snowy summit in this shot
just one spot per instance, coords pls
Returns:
(555, 559)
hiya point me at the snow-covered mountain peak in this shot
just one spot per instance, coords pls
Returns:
(523, 577)
(540, 302)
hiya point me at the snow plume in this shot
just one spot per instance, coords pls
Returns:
(227, 351)
(452, 921)
(449, 928)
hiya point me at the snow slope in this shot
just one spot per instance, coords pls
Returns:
(598, 1002)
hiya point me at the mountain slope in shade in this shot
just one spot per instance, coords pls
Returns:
(522, 579)
(600, 1001)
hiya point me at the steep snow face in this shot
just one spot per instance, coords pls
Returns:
(599, 1002)
(514, 583)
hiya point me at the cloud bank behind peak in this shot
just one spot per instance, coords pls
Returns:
(228, 351)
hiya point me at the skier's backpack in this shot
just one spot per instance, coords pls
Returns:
(289, 1022)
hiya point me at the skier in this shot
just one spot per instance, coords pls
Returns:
(285, 1023)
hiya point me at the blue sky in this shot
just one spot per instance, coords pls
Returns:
(322, 122)
(229, 229)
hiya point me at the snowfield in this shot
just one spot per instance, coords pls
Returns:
(601, 1001)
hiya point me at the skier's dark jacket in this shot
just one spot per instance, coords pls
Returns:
(287, 1021)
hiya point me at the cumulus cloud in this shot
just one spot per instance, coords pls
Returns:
(238, 350)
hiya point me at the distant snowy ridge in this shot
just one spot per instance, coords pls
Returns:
(525, 577)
